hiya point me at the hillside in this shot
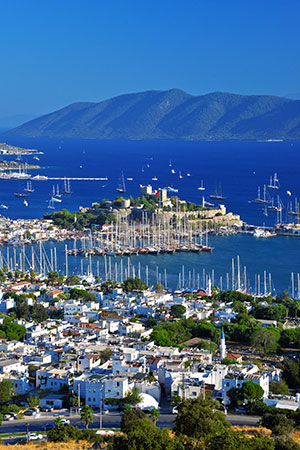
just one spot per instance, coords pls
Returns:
(172, 114)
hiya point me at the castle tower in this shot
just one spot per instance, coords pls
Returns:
(222, 346)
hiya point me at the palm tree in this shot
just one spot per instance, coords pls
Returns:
(127, 408)
(86, 415)
(154, 413)
(58, 422)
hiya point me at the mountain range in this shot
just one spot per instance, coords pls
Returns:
(172, 114)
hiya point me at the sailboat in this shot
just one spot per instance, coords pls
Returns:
(121, 187)
(218, 194)
(29, 187)
(20, 194)
(296, 211)
(57, 194)
(67, 187)
(51, 205)
(264, 199)
(25, 203)
(180, 176)
(154, 178)
(201, 187)
(274, 182)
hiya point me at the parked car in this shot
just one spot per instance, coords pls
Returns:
(8, 417)
(47, 409)
(65, 421)
(35, 436)
(48, 427)
(29, 412)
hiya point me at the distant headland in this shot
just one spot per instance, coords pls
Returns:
(172, 114)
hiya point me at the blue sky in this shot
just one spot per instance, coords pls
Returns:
(56, 52)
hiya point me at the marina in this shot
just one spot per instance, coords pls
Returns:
(180, 270)
(166, 249)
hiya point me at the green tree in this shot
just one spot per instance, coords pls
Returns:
(6, 391)
(251, 391)
(39, 313)
(278, 423)
(159, 288)
(13, 331)
(234, 395)
(105, 355)
(279, 388)
(227, 361)
(32, 275)
(22, 311)
(208, 345)
(33, 401)
(71, 280)
(291, 374)
(284, 443)
(265, 339)
(129, 419)
(134, 284)
(133, 397)
(154, 414)
(176, 400)
(196, 419)
(58, 422)
(86, 415)
(178, 311)
(142, 434)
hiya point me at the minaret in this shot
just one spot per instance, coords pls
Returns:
(222, 346)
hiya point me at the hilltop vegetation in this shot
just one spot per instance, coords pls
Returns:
(172, 114)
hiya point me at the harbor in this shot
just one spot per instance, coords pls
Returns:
(258, 271)
(150, 242)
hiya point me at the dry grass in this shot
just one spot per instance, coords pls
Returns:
(251, 431)
(296, 436)
(52, 446)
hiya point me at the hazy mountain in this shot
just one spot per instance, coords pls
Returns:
(172, 114)
(7, 122)
(293, 95)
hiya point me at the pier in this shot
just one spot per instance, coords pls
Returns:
(27, 176)
(70, 178)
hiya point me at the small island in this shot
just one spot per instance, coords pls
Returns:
(149, 224)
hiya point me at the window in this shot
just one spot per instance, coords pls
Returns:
(89, 399)
(118, 384)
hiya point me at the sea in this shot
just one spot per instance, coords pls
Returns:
(237, 168)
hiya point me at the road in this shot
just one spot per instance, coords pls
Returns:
(109, 421)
